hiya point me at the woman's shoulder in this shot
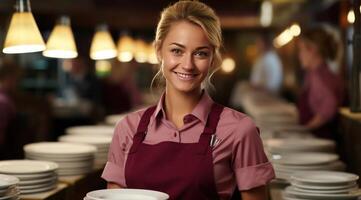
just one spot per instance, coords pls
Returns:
(129, 123)
(237, 121)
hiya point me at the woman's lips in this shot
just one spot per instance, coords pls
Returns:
(185, 76)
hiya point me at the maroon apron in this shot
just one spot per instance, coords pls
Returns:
(182, 170)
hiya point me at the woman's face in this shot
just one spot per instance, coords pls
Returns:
(185, 56)
(306, 53)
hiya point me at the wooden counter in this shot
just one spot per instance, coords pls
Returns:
(59, 193)
(350, 140)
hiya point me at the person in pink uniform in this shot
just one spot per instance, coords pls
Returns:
(187, 145)
(322, 91)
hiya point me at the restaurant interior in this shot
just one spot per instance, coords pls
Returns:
(71, 70)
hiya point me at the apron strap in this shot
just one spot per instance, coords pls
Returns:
(142, 128)
(210, 128)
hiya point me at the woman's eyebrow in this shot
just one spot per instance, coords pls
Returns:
(177, 44)
(182, 46)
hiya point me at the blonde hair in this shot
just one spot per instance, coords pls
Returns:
(197, 13)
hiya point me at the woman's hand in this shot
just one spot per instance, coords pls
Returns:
(113, 186)
(316, 122)
(258, 193)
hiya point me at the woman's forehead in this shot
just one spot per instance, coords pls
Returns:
(187, 34)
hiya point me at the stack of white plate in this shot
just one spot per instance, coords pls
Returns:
(94, 130)
(35, 176)
(289, 145)
(287, 164)
(323, 185)
(101, 142)
(114, 119)
(126, 194)
(73, 159)
(9, 187)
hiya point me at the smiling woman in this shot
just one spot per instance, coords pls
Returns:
(187, 145)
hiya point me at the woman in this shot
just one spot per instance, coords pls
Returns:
(322, 92)
(187, 146)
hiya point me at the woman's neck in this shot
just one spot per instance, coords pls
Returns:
(316, 63)
(178, 104)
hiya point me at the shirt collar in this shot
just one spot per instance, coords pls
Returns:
(201, 110)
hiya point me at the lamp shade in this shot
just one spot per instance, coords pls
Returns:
(125, 48)
(141, 51)
(102, 46)
(23, 35)
(152, 56)
(61, 42)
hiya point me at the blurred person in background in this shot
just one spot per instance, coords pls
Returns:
(323, 89)
(267, 72)
(9, 76)
(187, 145)
(120, 92)
(83, 88)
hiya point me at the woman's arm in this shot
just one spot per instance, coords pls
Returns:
(258, 193)
(316, 122)
(111, 185)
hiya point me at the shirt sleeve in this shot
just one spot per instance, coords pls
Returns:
(122, 141)
(250, 164)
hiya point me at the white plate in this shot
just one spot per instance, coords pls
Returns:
(333, 166)
(87, 139)
(60, 148)
(352, 195)
(323, 187)
(10, 197)
(90, 130)
(37, 190)
(305, 159)
(324, 177)
(37, 186)
(26, 166)
(291, 197)
(7, 181)
(294, 145)
(338, 191)
(113, 119)
(56, 158)
(23, 177)
(38, 181)
(127, 194)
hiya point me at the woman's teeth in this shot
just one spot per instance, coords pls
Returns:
(185, 76)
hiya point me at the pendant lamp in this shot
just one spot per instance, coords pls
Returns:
(23, 35)
(125, 48)
(61, 43)
(102, 46)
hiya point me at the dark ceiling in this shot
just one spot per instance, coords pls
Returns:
(143, 15)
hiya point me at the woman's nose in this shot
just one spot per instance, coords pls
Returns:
(187, 62)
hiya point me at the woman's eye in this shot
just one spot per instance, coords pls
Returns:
(176, 51)
(202, 54)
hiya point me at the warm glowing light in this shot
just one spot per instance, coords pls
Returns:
(228, 65)
(61, 43)
(141, 51)
(266, 13)
(125, 48)
(285, 37)
(351, 17)
(102, 46)
(23, 35)
(295, 30)
(152, 56)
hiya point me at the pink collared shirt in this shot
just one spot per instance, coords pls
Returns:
(325, 92)
(238, 155)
